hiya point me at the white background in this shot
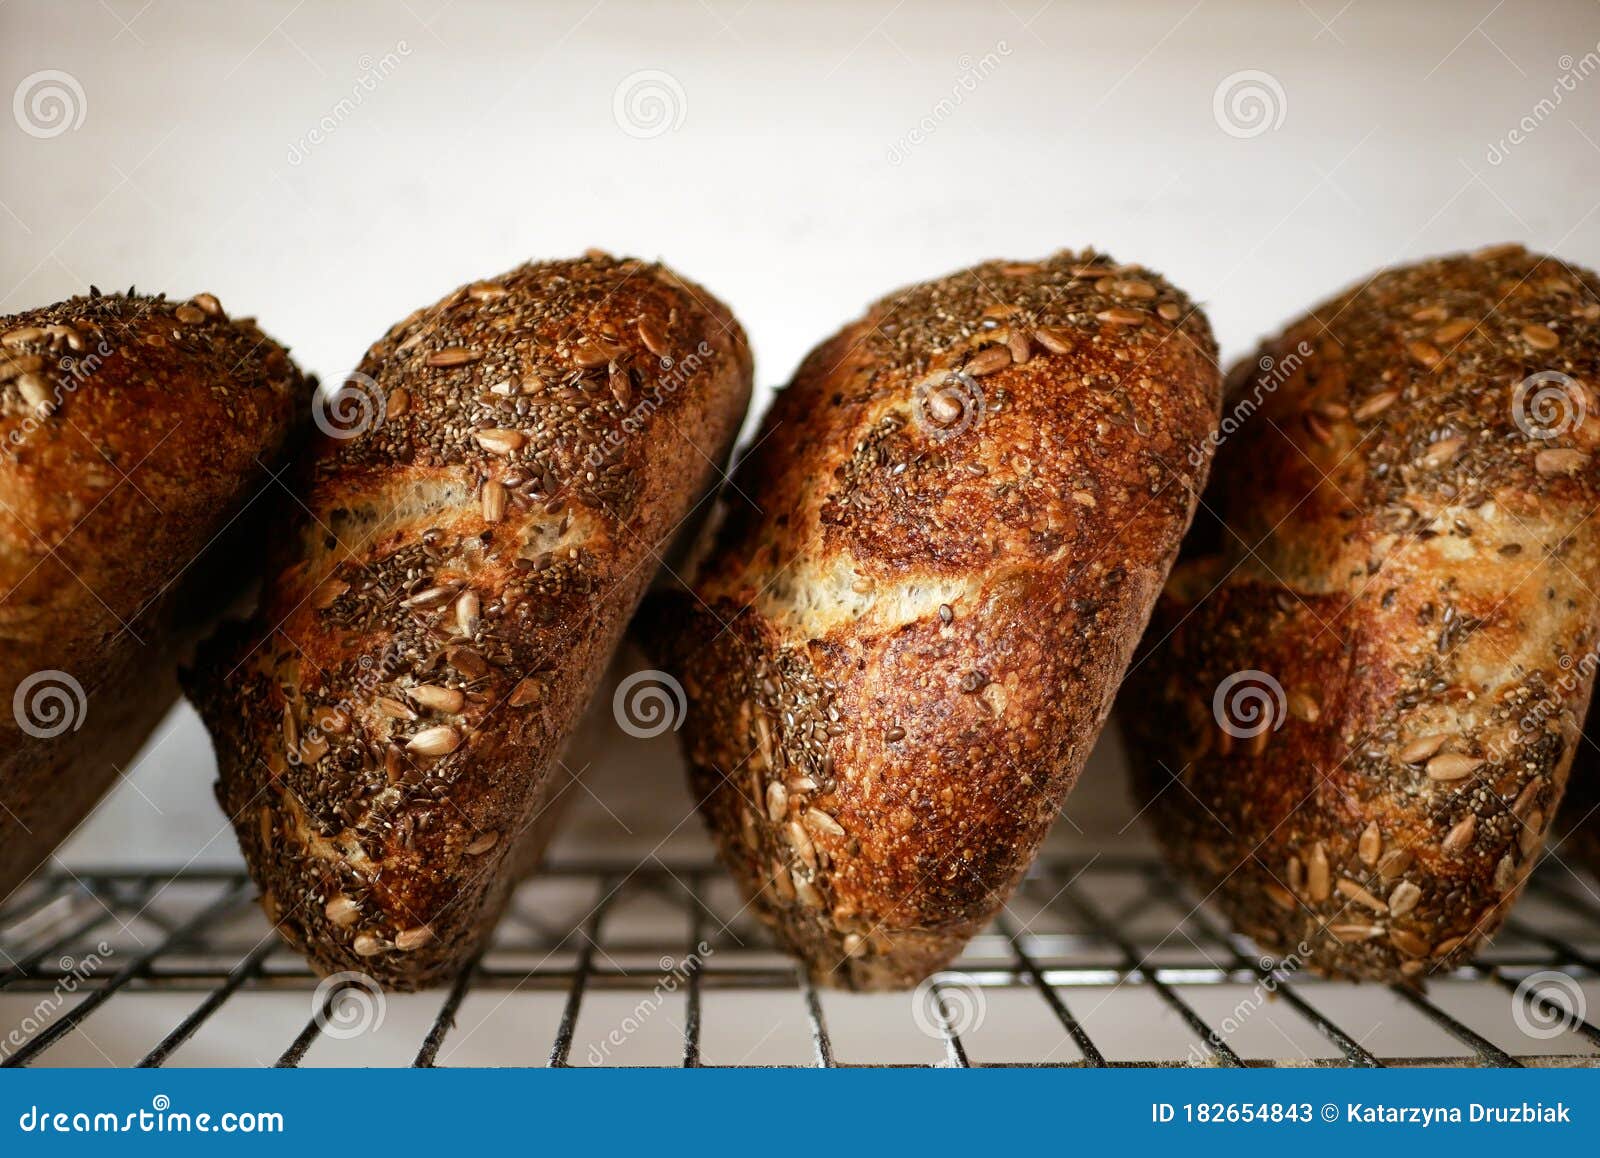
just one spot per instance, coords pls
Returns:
(812, 157)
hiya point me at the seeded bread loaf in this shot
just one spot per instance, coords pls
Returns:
(133, 433)
(388, 729)
(933, 569)
(1352, 724)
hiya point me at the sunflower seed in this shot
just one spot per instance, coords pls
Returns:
(468, 613)
(1349, 888)
(1449, 766)
(482, 844)
(494, 501)
(1054, 340)
(1505, 873)
(500, 441)
(1453, 331)
(1540, 337)
(1448, 946)
(807, 893)
(209, 303)
(394, 709)
(1374, 406)
(1394, 862)
(1420, 749)
(1459, 838)
(437, 699)
(795, 833)
(1120, 316)
(1348, 933)
(1370, 844)
(525, 693)
(1318, 878)
(821, 823)
(777, 802)
(1408, 942)
(341, 911)
(36, 391)
(987, 361)
(453, 356)
(436, 741)
(26, 364)
(189, 315)
(430, 597)
(367, 945)
(1404, 899)
(1559, 461)
(410, 940)
(398, 402)
(21, 336)
(1424, 352)
(1019, 345)
(1442, 452)
(653, 338)
(1280, 896)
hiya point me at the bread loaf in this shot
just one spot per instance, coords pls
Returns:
(473, 540)
(133, 433)
(934, 566)
(1351, 725)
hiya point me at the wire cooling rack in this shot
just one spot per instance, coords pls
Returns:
(1100, 961)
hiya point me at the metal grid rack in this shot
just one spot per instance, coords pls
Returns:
(1092, 953)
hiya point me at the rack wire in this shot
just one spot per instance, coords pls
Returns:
(1098, 961)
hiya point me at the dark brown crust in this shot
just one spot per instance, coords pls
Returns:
(621, 387)
(905, 639)
(133, 430)
(1403, 559)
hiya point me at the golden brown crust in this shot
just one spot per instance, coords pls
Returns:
(936, 563)
(1352, 725)
(388, 728)
(133, 430)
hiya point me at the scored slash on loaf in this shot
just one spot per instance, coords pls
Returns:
(1354, 717)
(933, 567)
(136, 436)
(487, 505)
